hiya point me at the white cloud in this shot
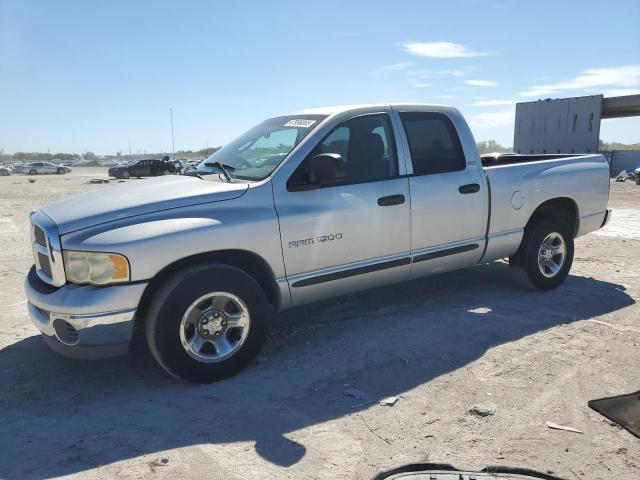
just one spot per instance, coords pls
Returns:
(627, 77)
(619, 92)
(452, 72)
(440, 50)
(492, 103)
(394, 67)
(482, 83)
(419, 84)
(492, 119)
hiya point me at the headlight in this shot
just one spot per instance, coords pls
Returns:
(95, 268)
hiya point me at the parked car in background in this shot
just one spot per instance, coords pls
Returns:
(5, 171)
(149, 167)
(42, 168)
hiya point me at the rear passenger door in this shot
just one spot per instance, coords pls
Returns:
(448, 197)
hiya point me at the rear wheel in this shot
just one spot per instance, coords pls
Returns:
(545, 256)
(207, 322)
(60, 171)
(166, 172)
(33, 171)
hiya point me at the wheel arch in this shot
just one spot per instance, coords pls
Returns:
(564, 209)
(249, 262)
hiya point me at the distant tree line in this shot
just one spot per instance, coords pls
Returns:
(489, 146)
(46, 157)
(484, 146)
(606, 146)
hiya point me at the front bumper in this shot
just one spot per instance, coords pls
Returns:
(83, 321)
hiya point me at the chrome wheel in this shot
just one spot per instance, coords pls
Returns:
(214, 327)
(552, 255)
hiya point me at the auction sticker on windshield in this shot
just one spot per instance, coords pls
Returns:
(302, 123)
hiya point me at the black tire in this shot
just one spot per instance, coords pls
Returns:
(33, 171)
(173, 299)
(125, 174)
(60, 171)
(524, 264)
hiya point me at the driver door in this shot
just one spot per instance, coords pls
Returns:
(353, 235)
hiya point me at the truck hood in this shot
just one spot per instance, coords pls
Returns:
(137, 198)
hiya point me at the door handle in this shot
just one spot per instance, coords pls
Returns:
(471, 188)
(391, 200)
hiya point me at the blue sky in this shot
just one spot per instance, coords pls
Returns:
(77, 76)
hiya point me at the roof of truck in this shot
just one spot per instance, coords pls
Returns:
(332, 110)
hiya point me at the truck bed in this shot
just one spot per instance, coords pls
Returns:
(521, 183)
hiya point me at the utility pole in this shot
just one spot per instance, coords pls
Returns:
(173, 145)
(129, 149)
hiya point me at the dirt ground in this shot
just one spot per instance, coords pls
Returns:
(452, 347)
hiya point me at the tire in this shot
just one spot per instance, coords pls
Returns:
(166, 172)
(125, 174)
(638, 179)
(61, 171)
(33, 171)
(167, 333)
(525, 263)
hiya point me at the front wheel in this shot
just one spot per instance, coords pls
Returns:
(545, 256)
(125, 174)
(60, 171)
(33, 171)
(207, 322)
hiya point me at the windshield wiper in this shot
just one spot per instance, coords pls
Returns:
(222, 167)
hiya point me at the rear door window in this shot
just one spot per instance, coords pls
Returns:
(433, 143)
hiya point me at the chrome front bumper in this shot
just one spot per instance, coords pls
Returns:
(84, 321)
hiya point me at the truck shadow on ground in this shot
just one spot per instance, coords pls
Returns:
(62, 416)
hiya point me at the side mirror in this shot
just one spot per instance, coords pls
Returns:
(326, 169)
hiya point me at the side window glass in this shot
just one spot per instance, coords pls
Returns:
(337, 142)
(433, 143)
(367, 147)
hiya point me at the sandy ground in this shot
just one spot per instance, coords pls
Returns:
(309, 407)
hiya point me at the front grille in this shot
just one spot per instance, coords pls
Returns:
(40, 237)
(45, 265)
(47, 252)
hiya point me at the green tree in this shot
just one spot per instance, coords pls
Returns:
(488, 146)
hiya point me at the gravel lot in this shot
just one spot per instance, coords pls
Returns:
(453, 347)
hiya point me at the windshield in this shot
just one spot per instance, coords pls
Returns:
(256, 153)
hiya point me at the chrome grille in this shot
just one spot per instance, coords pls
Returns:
(47, 252)
(40, 237)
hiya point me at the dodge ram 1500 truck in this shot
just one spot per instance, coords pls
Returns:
(300, 208)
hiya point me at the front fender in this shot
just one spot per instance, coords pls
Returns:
(151, 242)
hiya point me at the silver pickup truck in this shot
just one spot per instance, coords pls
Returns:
(300, 208)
